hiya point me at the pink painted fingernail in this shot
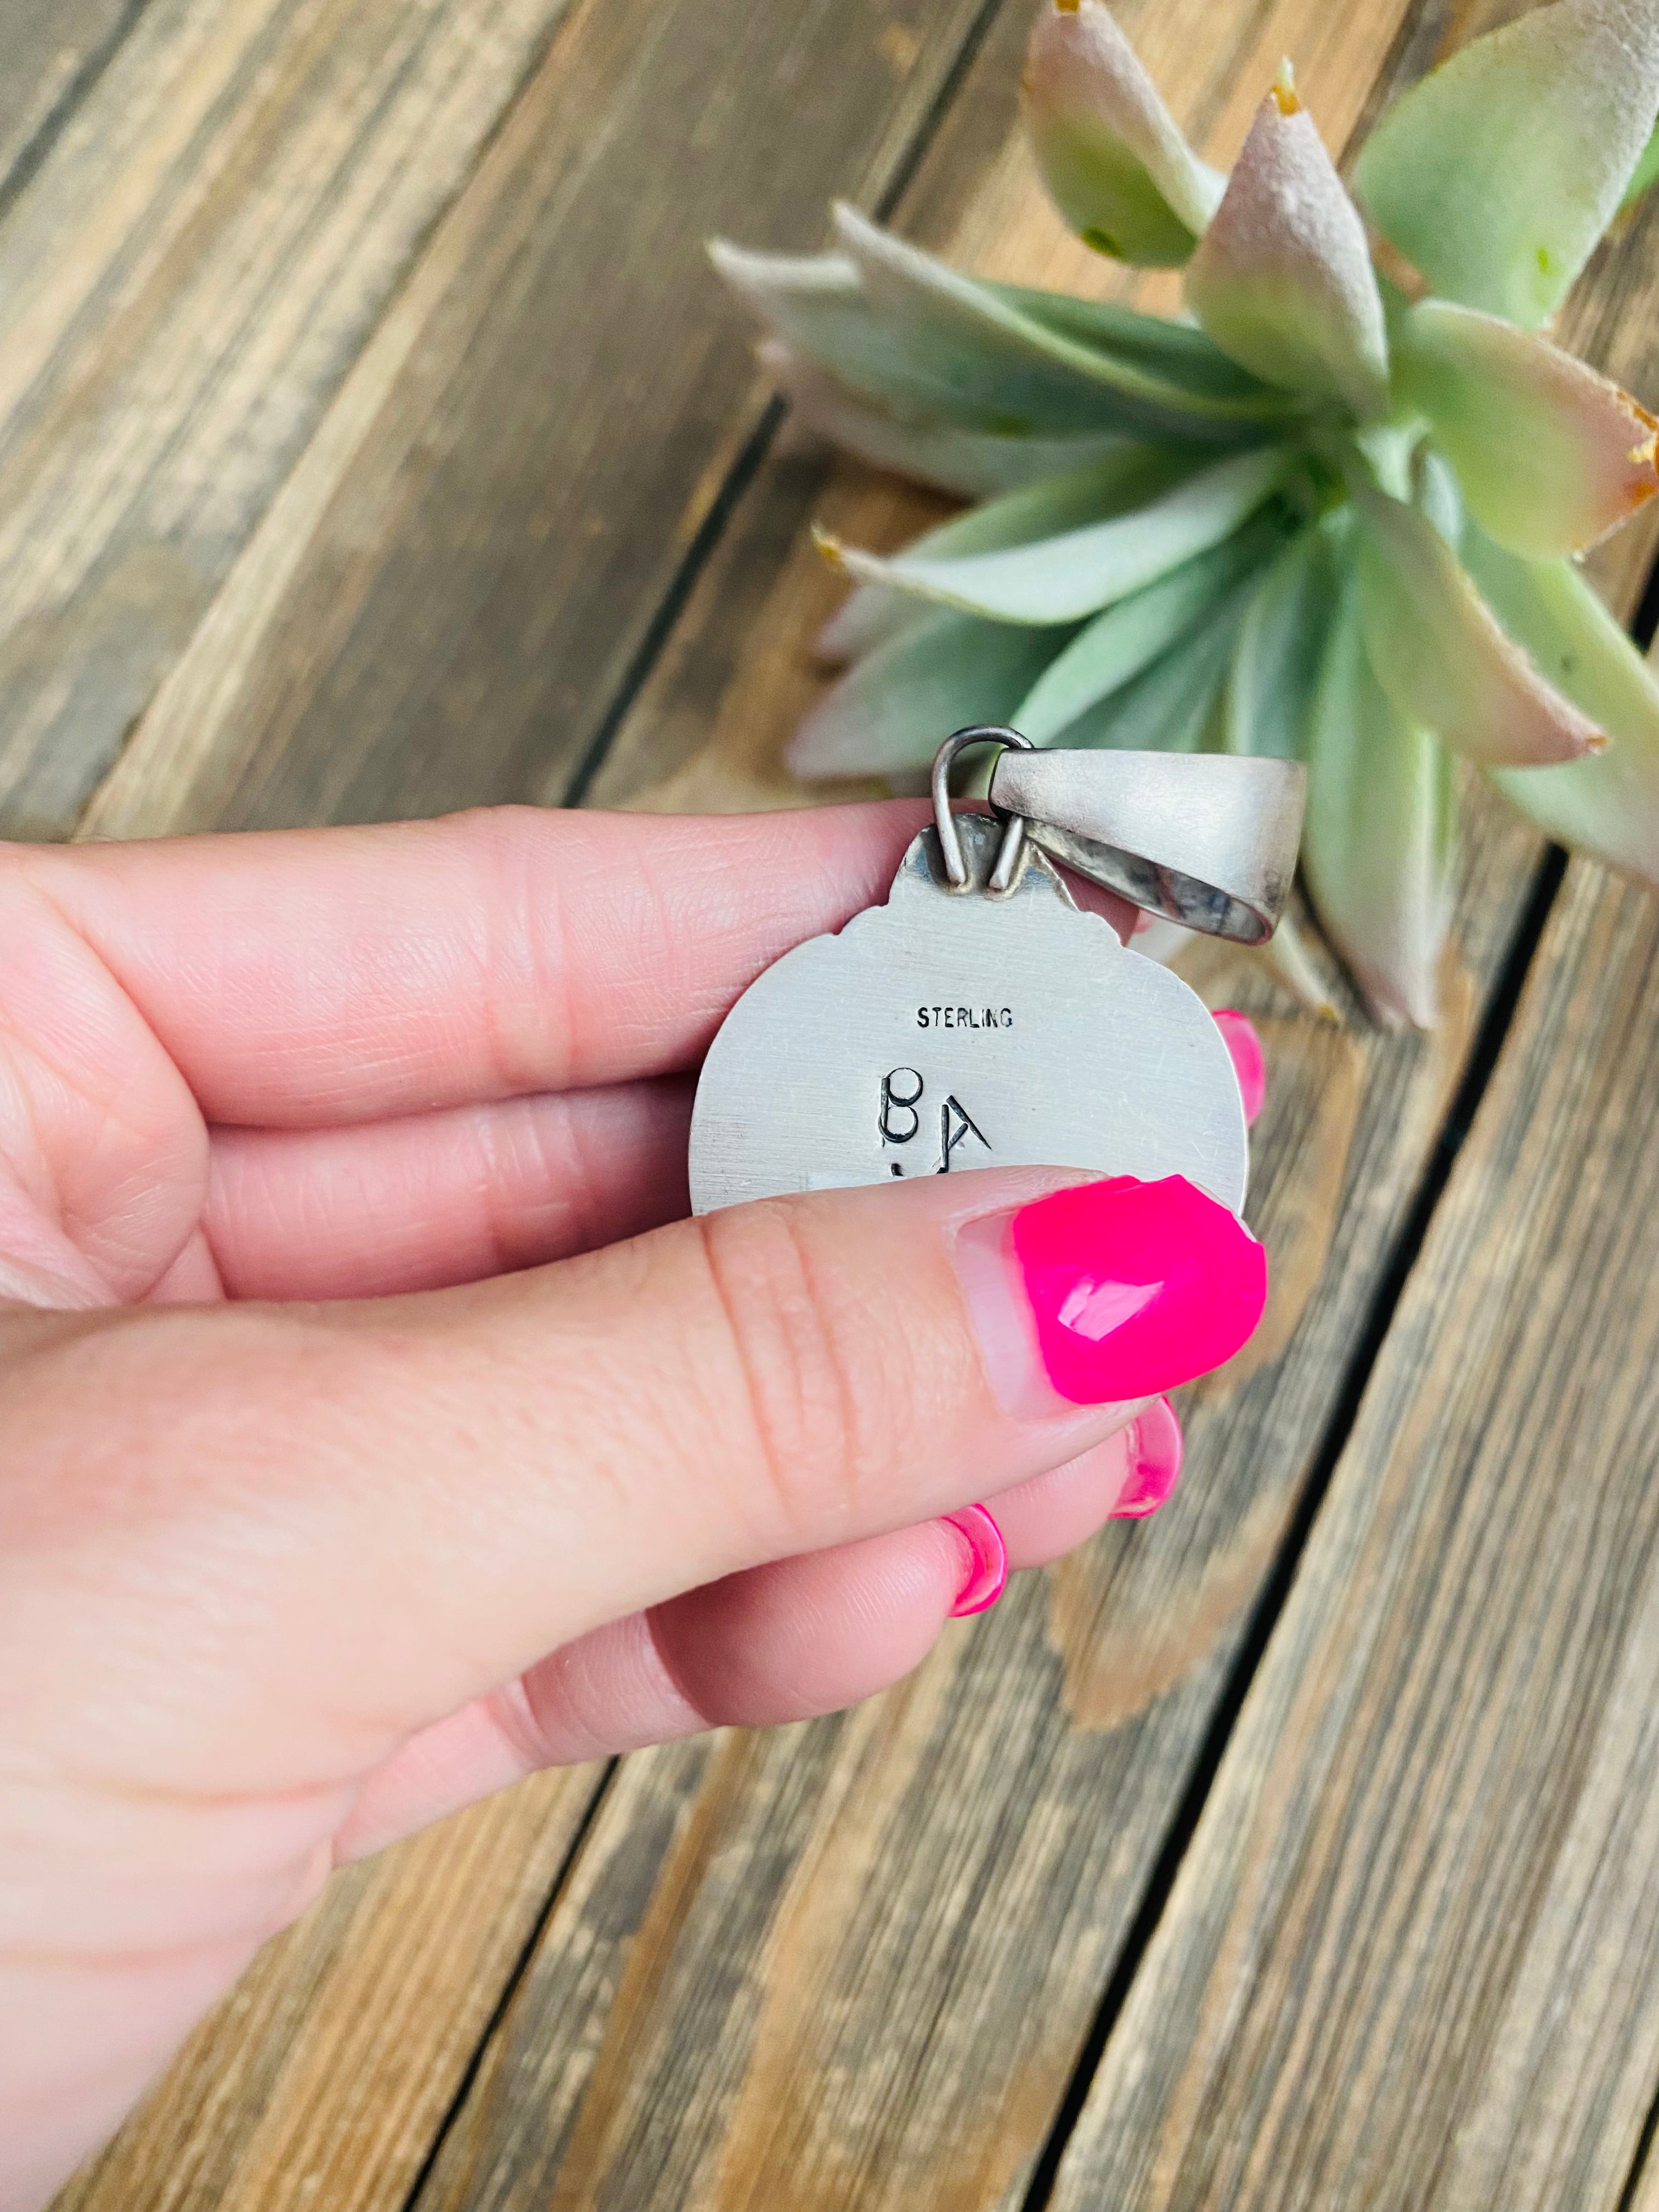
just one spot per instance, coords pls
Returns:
(1155, 1451)
(1250, 1062)
(1132, 1287)
(987, 1560)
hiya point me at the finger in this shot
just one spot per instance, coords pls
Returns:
(416, 1499)
(1127, 1478)
(1250, 1061)
(779, 1643)
(309, 977)
(433, 1200)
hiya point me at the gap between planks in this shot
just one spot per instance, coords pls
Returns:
(476, 2164)
(1495, 1025)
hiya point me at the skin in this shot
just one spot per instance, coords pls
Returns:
(374, 1427)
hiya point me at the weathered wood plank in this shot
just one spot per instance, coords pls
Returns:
(183, 285)
(323, 2078)
(1413, 1954)
(51, 47)
(467, 560)
(925, 1938)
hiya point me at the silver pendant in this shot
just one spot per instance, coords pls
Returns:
(980, 1019)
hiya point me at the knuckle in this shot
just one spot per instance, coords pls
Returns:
(813, 1406)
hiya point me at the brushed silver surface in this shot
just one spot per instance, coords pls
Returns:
(1208, 839)
(948, 1030)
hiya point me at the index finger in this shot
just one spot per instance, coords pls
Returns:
(307, 978)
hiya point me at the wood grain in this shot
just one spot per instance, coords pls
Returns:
(926, 1936)
(323, 2078)
(52, 50)
(707, 728)
(183, 286)
(924, 1930)
(1412, 1954)
(443, 603)
(851, 1964)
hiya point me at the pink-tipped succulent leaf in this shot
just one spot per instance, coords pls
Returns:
(1282, 279)
(1322, 521)
(1549, 455)
(1114, 160)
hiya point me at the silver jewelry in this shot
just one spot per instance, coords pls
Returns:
(980, 1019)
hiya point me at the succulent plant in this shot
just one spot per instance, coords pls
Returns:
(1335, 515)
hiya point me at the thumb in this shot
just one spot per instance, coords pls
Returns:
(412, 1500)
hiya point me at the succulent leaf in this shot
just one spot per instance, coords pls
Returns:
(1435, 489)
(1178, 356)
(1111, 485)
(1038, 370)
(1282, 280)
(1112, 650)
(815, 305)
(889, 712)
(1607, 804)
(1286, 953)
(1328, 522)
(974, 463)
(1114, 161)
(1062, 577)
(1174, 706)
(1550, 456)
(1498, 173)
(1377, 839)
(1282, 641)
(865, 618)
(1443, 656)
(1642, 175)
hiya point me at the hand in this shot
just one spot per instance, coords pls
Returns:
(367, 1439)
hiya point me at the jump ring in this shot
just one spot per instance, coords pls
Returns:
(1010, 853)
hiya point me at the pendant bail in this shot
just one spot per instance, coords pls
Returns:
(1206, 840)
(1012, 850)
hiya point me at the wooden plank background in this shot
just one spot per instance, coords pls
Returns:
(372, 440)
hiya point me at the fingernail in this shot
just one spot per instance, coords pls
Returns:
(1250, 1062)
(987, 1560)
(1110, 1292)
(1155, 1451)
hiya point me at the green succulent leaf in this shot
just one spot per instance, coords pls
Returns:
(1607, 804)
(815, 305)
(1114, 483)
(1443, 656)
(1286, 953)
(890, 711)
(1282, 641)
(1064, 576)
(1282, 280)
(1038, 370)
(936, 347)
(1112, 650)
(1434, 488)
(1115, 163)
(1176, 356)
(1643, 176)
(974, 463)
(865, 618)
(1174, 705)
(1377, 837)
(1498, 173)
(1550, 456)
